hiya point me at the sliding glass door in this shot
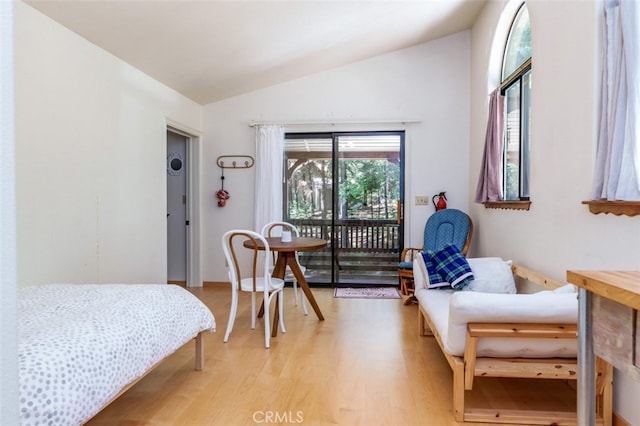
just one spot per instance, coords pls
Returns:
(347, 188)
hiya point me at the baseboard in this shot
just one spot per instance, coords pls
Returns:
(208, 283)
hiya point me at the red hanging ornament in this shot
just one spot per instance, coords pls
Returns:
(223, 196)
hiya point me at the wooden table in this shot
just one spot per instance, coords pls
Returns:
(613, 298)
(287, 257)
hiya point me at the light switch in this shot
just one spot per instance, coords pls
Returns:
(422, 200)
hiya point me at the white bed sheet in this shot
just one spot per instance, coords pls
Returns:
(79, 345)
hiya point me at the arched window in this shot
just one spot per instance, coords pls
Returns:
(516, 89)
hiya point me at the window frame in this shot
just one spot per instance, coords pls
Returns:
(523, 140)
(516, 77)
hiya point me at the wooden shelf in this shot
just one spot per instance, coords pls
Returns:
(618, 208)
(508, 205)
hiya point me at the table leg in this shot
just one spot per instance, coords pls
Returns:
(586, 365)
(280, 267)
(291, 261)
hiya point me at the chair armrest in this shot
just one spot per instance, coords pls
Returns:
(408, 253)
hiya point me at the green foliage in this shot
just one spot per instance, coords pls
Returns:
(367, 189)
(512, 185)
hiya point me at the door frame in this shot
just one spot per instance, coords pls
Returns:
(401, 186)
(335, 135)
(194, 200)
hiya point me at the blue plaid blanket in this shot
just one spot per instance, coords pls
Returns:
(452, 266)
(435, 280)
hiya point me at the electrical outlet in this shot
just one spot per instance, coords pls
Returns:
(422, 200)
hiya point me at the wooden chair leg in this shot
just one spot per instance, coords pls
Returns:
(403, 286)
(407, 289)
(408, 300)
(406, 285)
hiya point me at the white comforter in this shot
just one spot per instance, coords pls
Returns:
(79, 345)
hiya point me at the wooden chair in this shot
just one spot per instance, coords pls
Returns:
(448, 226)
(274, 229)
(259, 281)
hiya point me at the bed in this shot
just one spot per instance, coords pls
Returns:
(82, 345)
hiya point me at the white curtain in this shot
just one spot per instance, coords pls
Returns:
(269, 174)
(617, 171)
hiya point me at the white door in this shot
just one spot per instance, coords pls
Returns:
(176, 208)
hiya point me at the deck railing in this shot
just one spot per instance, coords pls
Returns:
(367, 251)
(353, 234)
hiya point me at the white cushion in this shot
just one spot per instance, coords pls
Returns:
(469, 307)
(491, 275)
(567, 288)
(420, 274)
(451, 311)
(436, 304)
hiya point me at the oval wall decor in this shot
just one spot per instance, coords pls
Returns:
(175, 164)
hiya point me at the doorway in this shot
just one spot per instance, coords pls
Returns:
(347, 188)
(177, 221)
(184, 245)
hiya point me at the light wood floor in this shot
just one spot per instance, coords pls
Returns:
(364, 365)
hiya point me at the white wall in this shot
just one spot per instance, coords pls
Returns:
(429, 83)
(558, 233)
(8, 328)
(91, 148)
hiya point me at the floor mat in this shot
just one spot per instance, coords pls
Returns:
(367, 293)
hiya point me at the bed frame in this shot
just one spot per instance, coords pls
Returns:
(466, 368)
(199, 366)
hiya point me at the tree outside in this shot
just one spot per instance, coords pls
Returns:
(368, 189)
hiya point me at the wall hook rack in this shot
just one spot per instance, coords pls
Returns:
(235, 161)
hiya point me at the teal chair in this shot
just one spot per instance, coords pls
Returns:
(447, 226)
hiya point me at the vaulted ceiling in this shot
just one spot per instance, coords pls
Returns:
(212, 50)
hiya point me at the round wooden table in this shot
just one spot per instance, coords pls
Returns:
(287, 257)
